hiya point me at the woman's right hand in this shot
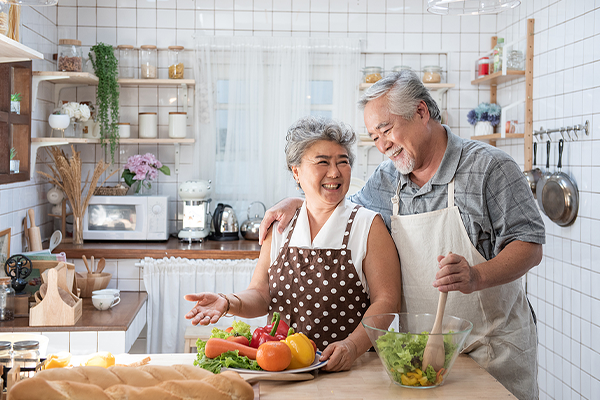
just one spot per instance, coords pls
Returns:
(283, 212)
(208, 309)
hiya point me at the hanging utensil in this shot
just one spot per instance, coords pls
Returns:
(533, 175)
(55, 240)
(539, 187)
(560, 195)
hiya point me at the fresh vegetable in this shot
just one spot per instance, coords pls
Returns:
(303, 352)
(275, 331)
(229, 359)
(239, 339)
(273, 356)
(402, 355)
(215, 347)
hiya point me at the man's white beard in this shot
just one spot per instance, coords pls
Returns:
(405, 166)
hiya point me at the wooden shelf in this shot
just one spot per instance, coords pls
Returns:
(11, 51)
(75, 78)
(430, 86)
(497, 78)
(70, 140)
(156, 82)
(498, 136)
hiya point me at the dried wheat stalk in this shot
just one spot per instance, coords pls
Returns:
(66, 174)
(14, 21)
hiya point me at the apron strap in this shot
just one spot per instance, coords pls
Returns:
(451, 193)
(349, 226)
(396, 200)
(286, 243)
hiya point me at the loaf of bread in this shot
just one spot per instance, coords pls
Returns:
(148, 382)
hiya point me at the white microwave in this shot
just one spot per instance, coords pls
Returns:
(127, 218)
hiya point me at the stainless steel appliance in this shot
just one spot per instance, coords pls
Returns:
(196, 214)
(224, 223)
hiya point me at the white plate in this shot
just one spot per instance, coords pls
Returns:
(315, 365)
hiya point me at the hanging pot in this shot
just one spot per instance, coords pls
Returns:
(560, 195)
(251, 226)
(534, 175)
(539, 186)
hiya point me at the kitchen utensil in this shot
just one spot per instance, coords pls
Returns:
(390, 332)
(64, 295)
(87, 283)
(101, 264)
(92, 265)
(35, 239)
(250, 227)
(539, 187)
(560, 195)
(434, 353)
(18, 268)
(224, 223)
(534, 175)
(86, 264)
(55, 240)
(196, 215)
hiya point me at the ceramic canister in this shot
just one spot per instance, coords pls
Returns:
(124, 129)
(177, 124)
(148, 125)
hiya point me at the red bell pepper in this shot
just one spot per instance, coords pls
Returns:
(276, 330)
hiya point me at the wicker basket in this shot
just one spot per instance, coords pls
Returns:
(118, 190)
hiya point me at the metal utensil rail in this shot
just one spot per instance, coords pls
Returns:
(539, 135)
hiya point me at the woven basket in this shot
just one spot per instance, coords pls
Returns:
(118, 190)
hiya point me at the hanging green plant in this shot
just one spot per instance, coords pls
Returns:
(107, 96)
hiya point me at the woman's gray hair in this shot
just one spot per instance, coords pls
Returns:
(308, 130)
(404, 92)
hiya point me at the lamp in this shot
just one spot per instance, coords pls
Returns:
(470, 7)
(33, 3)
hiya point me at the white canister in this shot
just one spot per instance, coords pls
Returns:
(177, 125)
(148, 125)
(124, 129)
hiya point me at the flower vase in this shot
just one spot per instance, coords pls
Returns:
(484, 128)
(77, 230)
(142, 187)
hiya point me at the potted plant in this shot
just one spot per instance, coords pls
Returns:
(14, 164)
(107, 95)
(78, 113)
(484, 117)
(15, 103)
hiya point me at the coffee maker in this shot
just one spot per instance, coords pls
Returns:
(196, 214)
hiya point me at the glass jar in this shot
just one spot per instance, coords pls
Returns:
(26, 354)
(4, 8)
(371, 74)
(70, 55)
(432, 74)
(6, 354)
(148, 61)
(515, 61)
(126, 61)
(399, 68)
(175, 62)
(483, 67)
(7, 300)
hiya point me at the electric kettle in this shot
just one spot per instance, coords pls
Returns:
(224, 225)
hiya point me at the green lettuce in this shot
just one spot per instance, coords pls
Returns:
(229, 359)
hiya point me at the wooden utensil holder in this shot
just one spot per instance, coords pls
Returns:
(45, 265)
(52, 309)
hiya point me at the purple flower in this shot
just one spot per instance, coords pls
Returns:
(143, 167)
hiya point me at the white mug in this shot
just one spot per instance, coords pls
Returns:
(105, 301)
(114, 292)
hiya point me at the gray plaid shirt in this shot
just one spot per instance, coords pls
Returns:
(491, 192)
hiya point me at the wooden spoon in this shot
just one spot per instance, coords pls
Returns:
(100, 265)
(92, 265)
(86, 264)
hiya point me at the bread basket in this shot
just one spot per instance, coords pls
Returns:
(87, 283)
(119, 190)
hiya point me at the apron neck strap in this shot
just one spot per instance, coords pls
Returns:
(396, 199)
(451, 193)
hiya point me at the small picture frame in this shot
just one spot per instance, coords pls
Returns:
(4, 246)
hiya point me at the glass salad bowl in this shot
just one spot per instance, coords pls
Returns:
(400, 339)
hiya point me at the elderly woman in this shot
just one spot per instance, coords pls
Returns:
(333, 265)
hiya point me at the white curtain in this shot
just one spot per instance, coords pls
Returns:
(169, 279)
(249, 90)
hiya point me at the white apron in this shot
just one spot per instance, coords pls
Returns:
(503, 340)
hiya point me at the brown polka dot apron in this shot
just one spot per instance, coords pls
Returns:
(317, 291)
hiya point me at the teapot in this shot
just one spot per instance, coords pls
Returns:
(250, 227)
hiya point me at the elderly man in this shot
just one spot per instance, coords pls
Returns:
(463, 220)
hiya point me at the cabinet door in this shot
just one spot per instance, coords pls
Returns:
(15, 127)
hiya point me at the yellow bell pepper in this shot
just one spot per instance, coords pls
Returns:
(408, 381)
(423, 381)
(303, 353)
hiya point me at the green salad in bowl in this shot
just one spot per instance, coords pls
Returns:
(400, 340)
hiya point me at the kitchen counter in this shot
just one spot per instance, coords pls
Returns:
(118, 318)
(365, 381)
(208, 249)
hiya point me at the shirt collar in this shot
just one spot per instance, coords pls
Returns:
(449, 163)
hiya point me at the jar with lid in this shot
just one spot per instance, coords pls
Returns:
(4, 8)
(7, 300)
(6, 354)
(70, 55)
(483, 67)
(432, 74)
(177, 125)
(126, 61)
(371, 74)
(26, 354)
(176, 62)
(399, 68)
(148, 125)
(124, 129)
(148, 61)
(515, 61)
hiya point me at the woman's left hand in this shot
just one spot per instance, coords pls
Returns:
(341, 355)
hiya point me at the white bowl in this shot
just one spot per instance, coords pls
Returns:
(114, 292)
(105, 301)
(18, 337)
(59, 121)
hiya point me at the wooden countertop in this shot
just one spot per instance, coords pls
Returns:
(118, 318)
(208, 249)
(367, 380)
